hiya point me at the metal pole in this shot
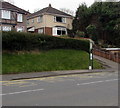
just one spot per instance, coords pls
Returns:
(91, 56)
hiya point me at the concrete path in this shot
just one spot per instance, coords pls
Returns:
(108, 63)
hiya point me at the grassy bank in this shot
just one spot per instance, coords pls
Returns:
(51, 60)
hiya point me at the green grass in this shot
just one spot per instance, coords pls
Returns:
(51, 60)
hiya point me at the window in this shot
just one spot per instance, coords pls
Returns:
(32, 20)
(40, 31)
(39, 19)
(59, 31)
(0, 28)
(19, 17)
(6, 14)
(6, 28)
(64, 20)
(20, 29)
(27, 22)
(59, 19)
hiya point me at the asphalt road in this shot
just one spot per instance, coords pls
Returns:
(96, 89)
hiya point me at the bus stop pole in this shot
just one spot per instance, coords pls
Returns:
(91, 56)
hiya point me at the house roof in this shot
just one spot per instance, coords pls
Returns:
(11, 7)
(49, 10)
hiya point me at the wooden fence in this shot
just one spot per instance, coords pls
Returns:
(108, 55)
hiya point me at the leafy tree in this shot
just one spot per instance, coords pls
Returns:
(81, 19)
(105, 16)
(91, 30)
(80, 34)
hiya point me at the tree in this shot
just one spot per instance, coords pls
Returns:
(81, 19)
(68, 11)
(105, 16)
(37, 9)
(80, 34)
(92, 33)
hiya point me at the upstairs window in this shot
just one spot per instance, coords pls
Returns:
(60, 19)
(19, 17)
(27, 22)
(39, 19)
(6, 14)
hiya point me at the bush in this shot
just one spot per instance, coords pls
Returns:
(80, 34)
(26, 41)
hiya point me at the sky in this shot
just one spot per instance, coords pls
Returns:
(31, 5)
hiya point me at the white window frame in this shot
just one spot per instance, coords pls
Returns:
(63, 19)
(19, 17)
(32, 20)
(20, 29)
(39, 19)
(54, 31)
(6, 14)
(41, 31)
(6, 28)
(54, 18)
(59, 28)
(28, 22)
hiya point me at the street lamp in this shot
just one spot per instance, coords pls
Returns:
(91, 55)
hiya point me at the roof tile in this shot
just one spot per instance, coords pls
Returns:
(49, 10)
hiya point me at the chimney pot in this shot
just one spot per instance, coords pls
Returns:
(49, 5)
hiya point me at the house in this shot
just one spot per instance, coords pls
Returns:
(12, 18)
(49, 21)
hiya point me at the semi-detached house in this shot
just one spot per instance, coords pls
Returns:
(12, 17)
(49, 21)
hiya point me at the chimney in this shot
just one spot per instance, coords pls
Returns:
(50, 5)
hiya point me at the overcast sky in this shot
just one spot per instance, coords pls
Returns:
(31, 5)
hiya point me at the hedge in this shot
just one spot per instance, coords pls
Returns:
(27, 41)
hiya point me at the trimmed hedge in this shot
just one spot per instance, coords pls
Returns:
(28, 41)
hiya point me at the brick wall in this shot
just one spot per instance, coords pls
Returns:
(107, 55)
(48, 30)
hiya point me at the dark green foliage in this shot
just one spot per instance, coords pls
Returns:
(105, 16)
(92, 33)
(26, 41)
(71, 33)
(81, 19)
(80, 34)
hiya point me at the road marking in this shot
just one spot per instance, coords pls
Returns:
(54, 77)
(20, 92)
(32, 84)
(97, 82)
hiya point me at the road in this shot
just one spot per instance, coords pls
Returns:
(96, 89)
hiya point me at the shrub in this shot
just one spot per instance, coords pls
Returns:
(80, 34)
(27, 41)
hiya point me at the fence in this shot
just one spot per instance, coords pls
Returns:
(108, 55)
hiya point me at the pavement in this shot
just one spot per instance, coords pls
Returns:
(110, 66)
